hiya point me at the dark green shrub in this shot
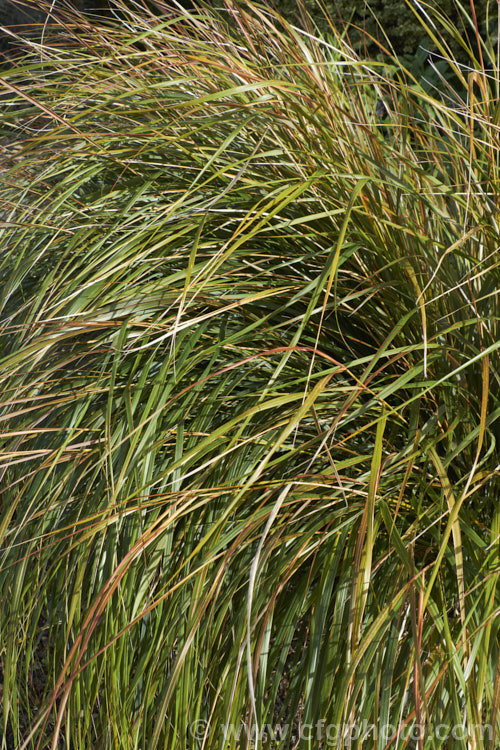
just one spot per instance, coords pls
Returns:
(389, 21)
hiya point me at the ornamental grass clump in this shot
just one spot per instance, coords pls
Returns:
(250, 389)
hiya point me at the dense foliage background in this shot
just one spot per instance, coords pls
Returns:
(394, 25)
